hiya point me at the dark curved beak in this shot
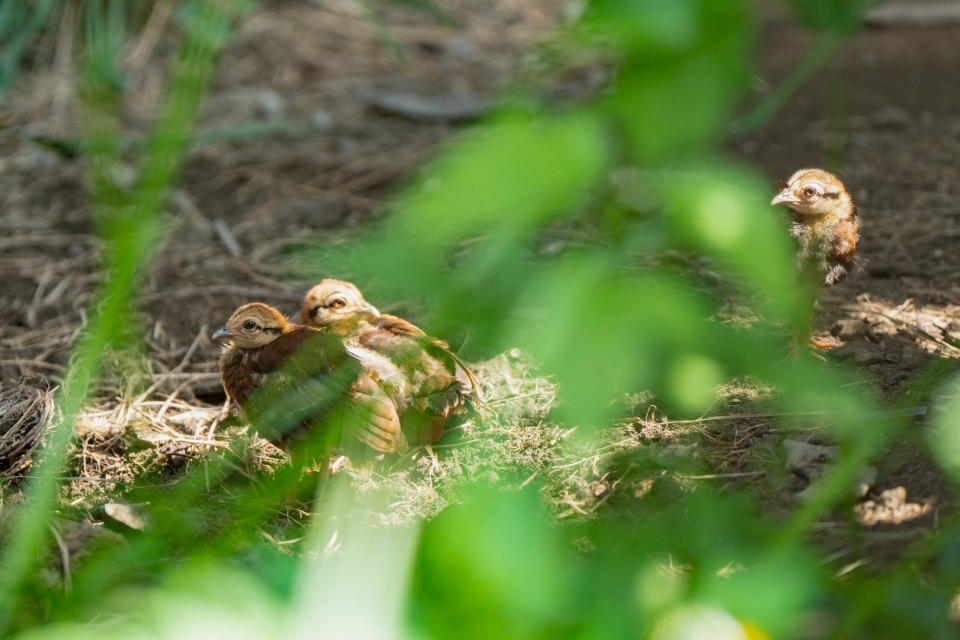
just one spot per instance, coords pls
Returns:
(223, 333)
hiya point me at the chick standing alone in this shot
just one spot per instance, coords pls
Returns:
(825, 223)
(310, 373)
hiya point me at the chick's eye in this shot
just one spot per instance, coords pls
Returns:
(249, 325)
(337, 303)
(810, 191)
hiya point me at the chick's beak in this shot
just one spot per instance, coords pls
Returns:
(784, 197)
(223, 333)
(371, 309)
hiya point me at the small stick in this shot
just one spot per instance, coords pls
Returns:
(529, 480)
(166, 404)
(31, 316)
(20, 362)
(594, 458)
(455, 445)
(183, 362)
(220, 417)
(716, 476)
(576, 508)
(154, 29)
(493, 403)
(226, 237)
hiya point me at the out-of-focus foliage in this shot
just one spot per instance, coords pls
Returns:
(130, 223)
(945, 438)
(19, 24)
(828, 15)
(549, 227)
(26, 24)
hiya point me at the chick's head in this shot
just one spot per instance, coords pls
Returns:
(336, 305)
(252, 326)
(812, 192)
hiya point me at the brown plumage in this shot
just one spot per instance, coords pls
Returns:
(306, 373)
(429, 383)
(826, 225)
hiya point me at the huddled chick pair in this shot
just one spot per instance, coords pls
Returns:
(401, 384)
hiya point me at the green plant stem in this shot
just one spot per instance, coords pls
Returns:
(132, 226)
(763, 111)
(19, 35)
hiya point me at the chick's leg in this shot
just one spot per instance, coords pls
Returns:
(803, 332)
(819, 344)
(811, 340)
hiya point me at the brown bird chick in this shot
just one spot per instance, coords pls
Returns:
(825, 224)
(429, 383)
(308, 371)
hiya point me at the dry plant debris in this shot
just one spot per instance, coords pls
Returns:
(26, 412)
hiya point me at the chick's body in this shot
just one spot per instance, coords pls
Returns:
(428, 382)
(826, 225)
(307, 375)
(826, 222)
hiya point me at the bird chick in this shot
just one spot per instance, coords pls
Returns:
(826, 226)
(429, 383)
(307, 374)
(337, 307)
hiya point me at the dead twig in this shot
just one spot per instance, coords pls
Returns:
(226, 237)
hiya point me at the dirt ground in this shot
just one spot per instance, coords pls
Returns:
(880, 114)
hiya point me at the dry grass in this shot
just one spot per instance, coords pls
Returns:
(26, 412)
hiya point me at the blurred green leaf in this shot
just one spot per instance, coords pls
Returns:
(492, 567)
(725, 214)
(199, 601)
(652, 30)
(484, 183)
(675, 108)
(944, 438)
(20, 22)
(759, 594)
(842, 17)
